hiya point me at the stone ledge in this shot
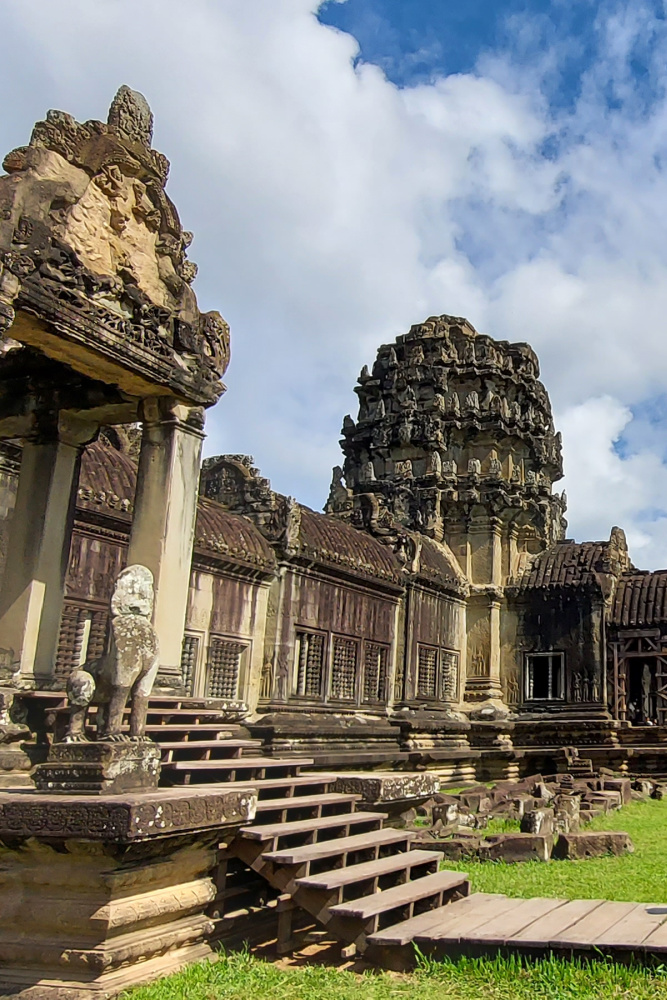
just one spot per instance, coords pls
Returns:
(122, 818)
(390, 786)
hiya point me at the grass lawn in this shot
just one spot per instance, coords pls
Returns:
(239, 977)
(640, 877)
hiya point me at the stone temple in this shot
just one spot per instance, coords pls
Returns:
(433, 622)
(435, 614)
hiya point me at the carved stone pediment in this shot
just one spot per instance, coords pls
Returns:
(93, 258)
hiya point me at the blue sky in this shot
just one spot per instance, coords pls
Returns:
(415, 41)
(350, 168)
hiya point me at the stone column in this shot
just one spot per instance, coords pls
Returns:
(165, 509)
(483, 622)
(33, 587)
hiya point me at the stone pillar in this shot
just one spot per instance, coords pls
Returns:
(33, 587)
(165, 509)
(483, 624)
(496, 526)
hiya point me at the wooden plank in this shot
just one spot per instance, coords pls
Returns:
(657, 939)
(337, 846)
(546, 928)
(272, 830)
(240, 763)
(501, 921)
(460, 918)
(268, 784)
(400, 895)
(634, 928)
(408, 930)
(306, 801)
(368, 870)
(505, 923)
(585, 932)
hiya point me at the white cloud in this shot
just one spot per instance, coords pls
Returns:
(332, 210)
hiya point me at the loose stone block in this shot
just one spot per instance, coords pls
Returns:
(567, 813)
(456, 848)
(396, 792)
(477, 802)
(621, 785)
(447, 813)
(579, 846)
(538, 821)
(605, 800)
(516, 847)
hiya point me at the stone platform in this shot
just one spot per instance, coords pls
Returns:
(96, 768)
(101, 893)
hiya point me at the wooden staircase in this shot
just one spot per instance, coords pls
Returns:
(315, 848)
(339, 863)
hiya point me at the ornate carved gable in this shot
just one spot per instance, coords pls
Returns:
(93, 258)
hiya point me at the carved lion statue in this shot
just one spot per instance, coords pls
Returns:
(127, 670)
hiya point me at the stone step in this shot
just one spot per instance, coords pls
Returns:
(339, 847)
(304, 802)
(276, 831)
(402, 896)
(369, 870)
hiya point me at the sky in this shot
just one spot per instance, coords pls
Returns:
(353, 167)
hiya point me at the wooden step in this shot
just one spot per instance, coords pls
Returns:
(275, 831)
(233, 769)
(199, 745)
(339, 877)
(338, 846)
(265, 786)
(195, 733)
(402, 895)
(407, 930)
(305, 802)
(243, 762)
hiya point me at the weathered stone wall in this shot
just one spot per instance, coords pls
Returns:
(567, 621)
(435, 621)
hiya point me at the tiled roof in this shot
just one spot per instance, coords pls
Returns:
(566, 564)
(438, 565)
(108, 481)
(641, 600)
(231, 536)
(331, 541)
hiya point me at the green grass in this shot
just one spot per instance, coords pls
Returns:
(640, 877)
(239, 977)
(499, 825)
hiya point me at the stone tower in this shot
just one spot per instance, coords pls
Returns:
(455, 440)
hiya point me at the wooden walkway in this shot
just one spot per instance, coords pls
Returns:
(484, 923)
